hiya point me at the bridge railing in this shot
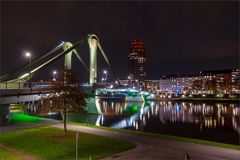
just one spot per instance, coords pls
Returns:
(19, 85)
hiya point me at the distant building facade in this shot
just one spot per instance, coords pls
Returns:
(137, 63)
(176, 83)
(152, 85)
(219, 81)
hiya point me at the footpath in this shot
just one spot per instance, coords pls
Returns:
(147, 147)
(154, 148)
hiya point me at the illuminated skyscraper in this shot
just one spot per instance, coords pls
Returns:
(137, 63)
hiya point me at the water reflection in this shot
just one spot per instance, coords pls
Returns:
(210, 121)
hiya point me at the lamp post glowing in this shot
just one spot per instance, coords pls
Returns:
(105, 72)
(29, 56)
(136, 83)
(54, 73)
(129, 80)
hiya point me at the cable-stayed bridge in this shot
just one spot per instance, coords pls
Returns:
(15, 89)
(66, 50)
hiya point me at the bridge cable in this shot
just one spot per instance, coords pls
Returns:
(81, 60)
(108, 63)
(26, 76)
(25, 67)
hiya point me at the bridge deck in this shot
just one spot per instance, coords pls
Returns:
(24, 91)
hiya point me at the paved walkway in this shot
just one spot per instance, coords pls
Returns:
(155, 148)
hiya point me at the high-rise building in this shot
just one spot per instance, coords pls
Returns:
(137, 63)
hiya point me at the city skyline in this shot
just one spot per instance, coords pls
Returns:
(119, 80)
(180, 37)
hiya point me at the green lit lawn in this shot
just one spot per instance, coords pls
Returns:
(49, 144)
(24, 118)
(5, 155)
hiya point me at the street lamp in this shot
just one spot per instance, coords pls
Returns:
(54, 73)
(105, 72)
(102, 80)
(136, 83)
(29, 56)
(129, 80)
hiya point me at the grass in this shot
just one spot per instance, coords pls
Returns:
(5, 155)
(163, 136)
(155, 135)
(24, 118)
(48, 143)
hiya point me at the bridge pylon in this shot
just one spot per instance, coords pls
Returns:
(68, 56)
(22, 74)
(93, 44)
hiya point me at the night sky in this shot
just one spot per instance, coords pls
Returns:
(180, 37)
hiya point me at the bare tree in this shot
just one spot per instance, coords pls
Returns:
(67, 96)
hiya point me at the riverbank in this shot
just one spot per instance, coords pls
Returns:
(186, 99)
(162, 136)
(149, 146)
(156, 148)
(26, 121)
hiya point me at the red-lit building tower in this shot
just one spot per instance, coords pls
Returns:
(137, 63)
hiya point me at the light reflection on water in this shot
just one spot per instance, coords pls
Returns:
(208, 121)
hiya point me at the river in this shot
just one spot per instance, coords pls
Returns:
(218, 122)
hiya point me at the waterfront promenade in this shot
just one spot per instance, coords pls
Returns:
(146, 147)
(155, 148)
